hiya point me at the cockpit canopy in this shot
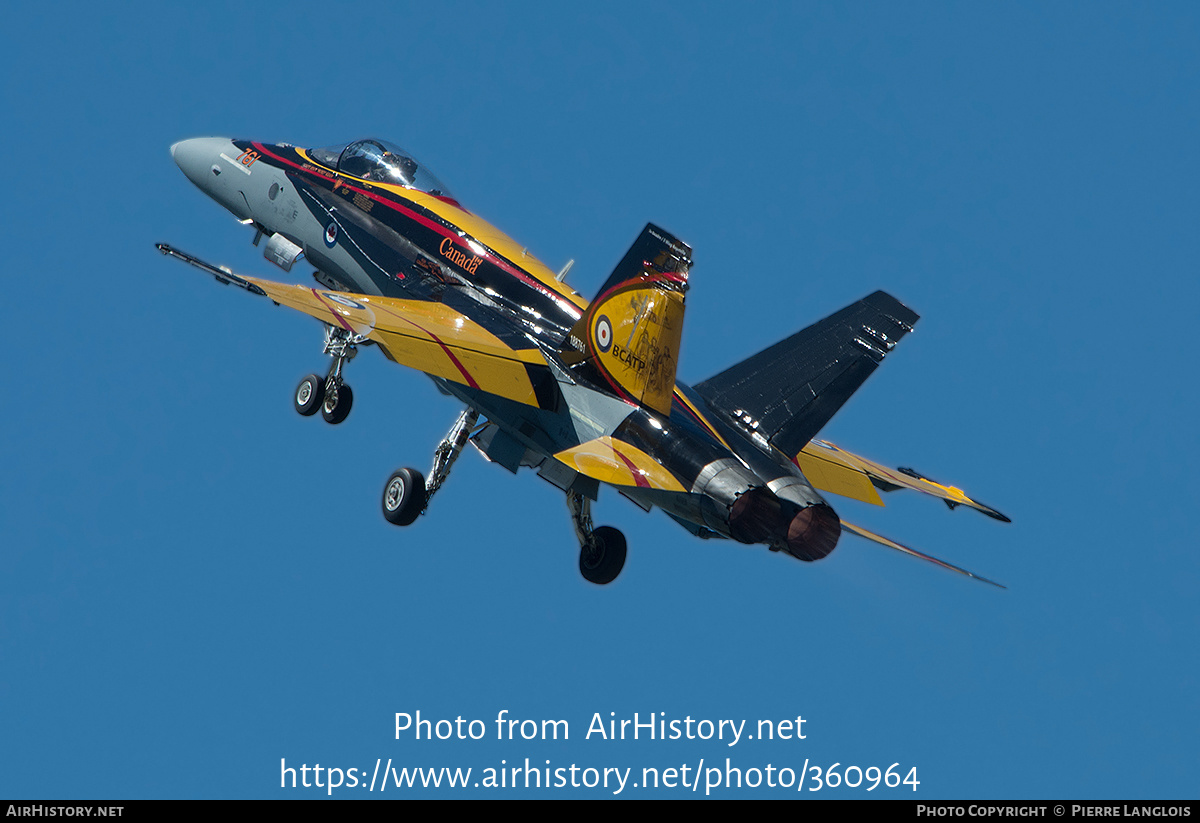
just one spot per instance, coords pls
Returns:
(382, 162)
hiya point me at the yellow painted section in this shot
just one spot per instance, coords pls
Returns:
(366, 313)
(490, 236)
(498, 376)
(430, 337)
(424, 317)
(836, 455)
(642, 328)
(599, 460)
(837, 478)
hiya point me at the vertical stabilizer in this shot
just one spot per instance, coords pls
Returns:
(629, 336)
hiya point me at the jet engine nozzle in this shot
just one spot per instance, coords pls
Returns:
(814, 532)
(808, 533)
(757, 516)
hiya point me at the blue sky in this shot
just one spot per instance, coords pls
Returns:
(197, 583)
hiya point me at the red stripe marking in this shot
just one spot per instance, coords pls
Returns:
(621, 393)
(332, 310)
(639, 280)
(457, 364)
(638, 477)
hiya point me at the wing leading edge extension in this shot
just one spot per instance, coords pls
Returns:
(429, 337)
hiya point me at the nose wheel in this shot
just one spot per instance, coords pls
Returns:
(601, 550)
(337, 403)
(309, 395)
(330, 395)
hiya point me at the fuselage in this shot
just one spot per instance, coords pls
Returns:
(381, 237)
(373, 221)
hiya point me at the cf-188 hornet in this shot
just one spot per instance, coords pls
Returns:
(584, 392)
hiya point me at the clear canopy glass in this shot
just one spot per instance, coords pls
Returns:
(383, 162)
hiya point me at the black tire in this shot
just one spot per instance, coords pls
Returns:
(309, 395)
(404, 497)
(338, 410)
(604, 562)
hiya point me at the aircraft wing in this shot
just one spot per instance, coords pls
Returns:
(429, 337)
(790, 390)
(833, 469)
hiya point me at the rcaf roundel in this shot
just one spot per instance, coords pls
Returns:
(343, 301)
(603, 334)
(331, 233)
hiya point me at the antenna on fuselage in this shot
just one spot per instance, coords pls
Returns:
(562, 275)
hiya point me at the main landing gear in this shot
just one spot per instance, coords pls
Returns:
(404, 497)
(330, 395)
(601, 550)
(407, 493)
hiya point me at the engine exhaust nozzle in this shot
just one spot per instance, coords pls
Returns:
(813, 532)
(807, 533)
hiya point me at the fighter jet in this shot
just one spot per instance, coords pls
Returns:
(583, 392)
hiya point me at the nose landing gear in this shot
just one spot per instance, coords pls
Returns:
(332, 395)
(337, 403)
(309, 395)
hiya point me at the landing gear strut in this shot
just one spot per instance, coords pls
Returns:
(450, 448)
(601, 550)
(331, 395)
(407, 493)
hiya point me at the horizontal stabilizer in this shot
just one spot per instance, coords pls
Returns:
(790, 390)
(618, 463)
(892, 544)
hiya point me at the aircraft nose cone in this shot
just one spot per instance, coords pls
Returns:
(200, 158)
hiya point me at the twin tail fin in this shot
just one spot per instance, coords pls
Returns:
(628, 339)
